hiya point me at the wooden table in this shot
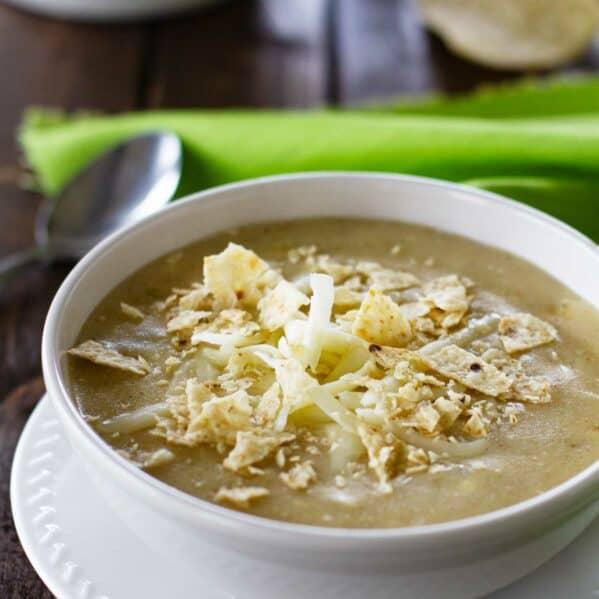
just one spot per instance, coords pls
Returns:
(242, 53)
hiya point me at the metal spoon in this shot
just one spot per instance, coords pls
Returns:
(128, 182)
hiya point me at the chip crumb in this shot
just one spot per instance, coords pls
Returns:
(280, 458)
(531, 389)
(383, 458)
(296, 255)
(511, 412)
(387, 279)
(160, 457)
(254, 446)
(132, 311)
(475, 425)
(171, 363)
(104, 356)
(427, 419)
(240, 497)
(300, 476)
(186, 320)
(340, 481)
(91, 418)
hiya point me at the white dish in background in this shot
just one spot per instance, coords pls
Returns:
(457, 560)
(57, 511)
(108, 10)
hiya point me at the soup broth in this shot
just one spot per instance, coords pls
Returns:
(448, 379)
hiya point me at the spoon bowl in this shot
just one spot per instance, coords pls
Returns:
(128, 182)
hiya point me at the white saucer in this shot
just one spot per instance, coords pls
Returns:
(82, 551)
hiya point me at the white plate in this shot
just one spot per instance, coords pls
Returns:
(107, 10)
(81, 551)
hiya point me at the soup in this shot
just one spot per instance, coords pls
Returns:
(344, 373)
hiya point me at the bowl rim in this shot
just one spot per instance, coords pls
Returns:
(582, 481)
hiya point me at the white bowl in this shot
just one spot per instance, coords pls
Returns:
(460, 559)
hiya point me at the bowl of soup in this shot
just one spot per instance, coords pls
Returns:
(348, 383)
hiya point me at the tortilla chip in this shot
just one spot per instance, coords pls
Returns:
(254, 446)
(100, 354)
(132, 311)
(470, 370)
(391, 280)
(447, 293)
(280, 305)
(300, 477)
(221, 418)
(186, 320)
(240, 497)
(237, 276)
(379, 320)
(514, 34)
(384, 457)
(521, 332)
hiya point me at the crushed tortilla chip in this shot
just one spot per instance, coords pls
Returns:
(449, 409)
(384, 458)
(196, 299)
(237, 276)
(447, 293)
(379, 320)
(219, 419)
(100, 354)
(470, 370)
(417, 460)
(521, 332)
(388, 357)
(132, 311)
(427, 419)
(346, 297)
(324, 264)
(280, 305)
(254, 446)
(187, 320)
(235, 326)
(269, 406)
(294, 381)
(160, 457)
(531, 389)
(300, 476)
(414, 310)
(171, 363)
(240, 497)
(476, 425)
(265, 384)
(386, 279)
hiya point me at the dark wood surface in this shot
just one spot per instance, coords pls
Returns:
(278, 53)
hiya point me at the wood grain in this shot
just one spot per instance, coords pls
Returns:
(51, 63)
(266, 53)
(257, 53)
(17, 578)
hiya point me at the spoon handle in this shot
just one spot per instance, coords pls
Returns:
(14, 263)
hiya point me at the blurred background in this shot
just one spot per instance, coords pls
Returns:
(124, 55)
